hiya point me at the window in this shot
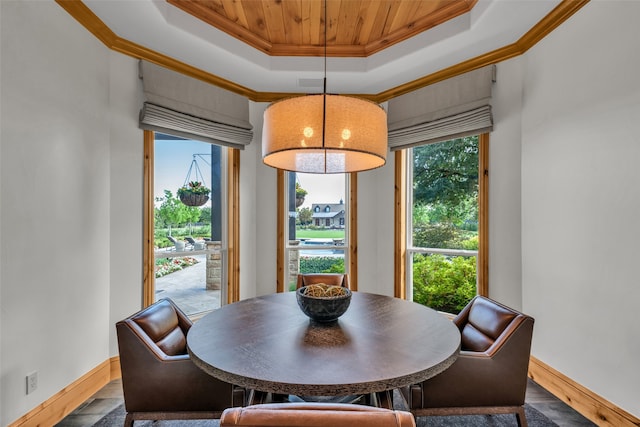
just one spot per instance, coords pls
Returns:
(186, 256)
(446, 189)
(316, 235)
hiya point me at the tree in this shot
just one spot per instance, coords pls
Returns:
(192, 214)
(172, 211)
(205, 215)
(446, 173)
(305, 216)
(445, 193)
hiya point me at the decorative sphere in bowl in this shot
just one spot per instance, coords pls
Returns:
(323, 303)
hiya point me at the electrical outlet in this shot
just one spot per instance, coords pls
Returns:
(32, 382)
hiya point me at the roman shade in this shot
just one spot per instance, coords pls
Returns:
(186, 107)
(453, 108)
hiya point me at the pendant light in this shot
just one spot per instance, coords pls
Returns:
(324, 133)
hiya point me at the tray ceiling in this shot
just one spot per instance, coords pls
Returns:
(297, 28)
(277, 46)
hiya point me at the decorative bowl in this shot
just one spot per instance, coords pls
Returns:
(323, 303)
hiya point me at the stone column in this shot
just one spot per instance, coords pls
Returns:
(214, 265)
(294, 263)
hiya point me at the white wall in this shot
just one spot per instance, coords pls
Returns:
(580, 199)
(505, 268)
(375, 229)
(126, 173)
(253, 258)
(265, 225)
(54, 203)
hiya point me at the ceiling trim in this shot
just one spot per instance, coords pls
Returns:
(554, 19)
(81, 13)
(85, 16)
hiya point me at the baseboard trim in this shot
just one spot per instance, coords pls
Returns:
(61, 404)
(590, 405)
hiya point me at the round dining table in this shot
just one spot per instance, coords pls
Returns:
(268, 344)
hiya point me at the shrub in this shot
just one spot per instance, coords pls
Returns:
(444, 283)
(321, 264)
(471, 244)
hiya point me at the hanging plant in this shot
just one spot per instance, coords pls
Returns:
(300, 193)
(194, 194)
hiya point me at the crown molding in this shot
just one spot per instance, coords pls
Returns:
(81, 13)
(552, 20)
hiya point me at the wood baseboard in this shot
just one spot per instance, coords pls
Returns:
(64, 402)
(590, 405)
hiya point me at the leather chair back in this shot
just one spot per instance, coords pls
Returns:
(315, 415)
(482, 323)
(490, 373)
(159, 380)
(326, 278)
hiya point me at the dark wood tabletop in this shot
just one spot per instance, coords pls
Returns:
(268, 344)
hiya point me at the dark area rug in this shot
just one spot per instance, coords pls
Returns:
(116, 418)
(534, 419)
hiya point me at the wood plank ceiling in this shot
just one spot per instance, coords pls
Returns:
(356, 28)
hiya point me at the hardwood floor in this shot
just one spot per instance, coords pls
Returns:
(555, 409)
(110, 396)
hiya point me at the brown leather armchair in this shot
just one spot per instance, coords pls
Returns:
(490, 374)
(159, 380)
(326, 278)
(315, 415)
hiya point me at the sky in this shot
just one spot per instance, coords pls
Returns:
(172, 162)
(321, 188)
(174, 157)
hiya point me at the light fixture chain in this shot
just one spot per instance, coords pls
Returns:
(324, 89)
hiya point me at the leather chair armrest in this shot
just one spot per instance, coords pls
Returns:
(497, 376)
(461, 319)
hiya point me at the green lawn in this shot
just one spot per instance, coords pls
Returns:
(319, 234)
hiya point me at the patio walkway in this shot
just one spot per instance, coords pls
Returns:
(187, 288)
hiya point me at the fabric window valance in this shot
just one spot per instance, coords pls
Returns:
(453, 108)
(183, 106)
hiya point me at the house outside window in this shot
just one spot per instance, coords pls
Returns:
(321, 247)
(331, 215)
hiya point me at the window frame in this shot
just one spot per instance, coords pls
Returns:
(281, 245)
(402, 208)
(233, 222)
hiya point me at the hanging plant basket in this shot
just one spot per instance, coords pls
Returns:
(192, 199)
(194, 194)
(300, 193)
